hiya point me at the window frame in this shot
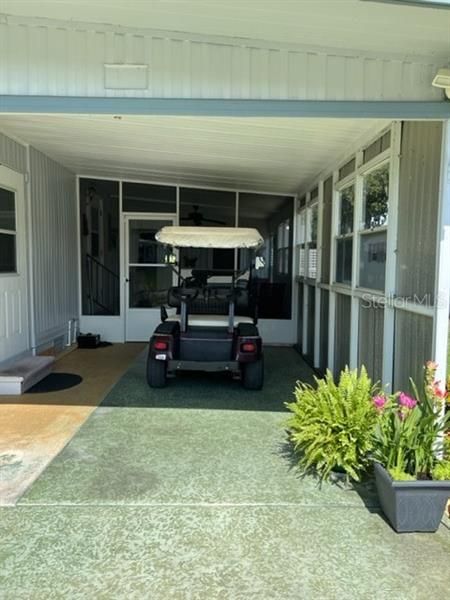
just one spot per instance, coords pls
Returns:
(376, 163)
(347, 182)
(11, 232)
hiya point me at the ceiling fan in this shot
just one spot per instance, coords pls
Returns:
(198, 219)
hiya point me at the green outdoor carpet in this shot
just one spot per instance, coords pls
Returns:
(200, 440)
(189, 493)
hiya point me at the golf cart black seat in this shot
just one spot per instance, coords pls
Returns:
(210, 300)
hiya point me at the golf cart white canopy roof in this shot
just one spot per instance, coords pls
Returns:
(210, 237)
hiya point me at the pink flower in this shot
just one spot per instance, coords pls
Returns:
(431, 365)
(406, 401)
(379, 402)
(439, 392)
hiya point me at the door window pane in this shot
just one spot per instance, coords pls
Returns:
(347, 198)
(7, 253)
(373, 260)
(145, 197)
(148, 286)
(344, 260)
(376, 197)
(7, 210)
(143, 247)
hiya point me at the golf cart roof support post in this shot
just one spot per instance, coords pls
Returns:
(231, 316)
(184, 316)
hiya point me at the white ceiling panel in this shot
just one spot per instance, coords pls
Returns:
(250, 153)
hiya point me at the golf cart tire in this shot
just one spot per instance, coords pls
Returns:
(253, 375)
(156, 373)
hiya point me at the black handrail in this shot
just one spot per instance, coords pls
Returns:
(103, 287)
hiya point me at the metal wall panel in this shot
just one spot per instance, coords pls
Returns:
(12, 154)
(324, 313)
(370, 351)
(418, 209)
(342, 332)
(412, 348)
(55, 246)
(42, 57)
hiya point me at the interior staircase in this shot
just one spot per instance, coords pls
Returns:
(22, 375)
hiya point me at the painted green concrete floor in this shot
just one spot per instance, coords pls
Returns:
(189, 493)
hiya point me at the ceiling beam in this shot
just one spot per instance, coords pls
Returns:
(204, 107)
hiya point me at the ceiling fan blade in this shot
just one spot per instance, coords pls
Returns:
(214, 221)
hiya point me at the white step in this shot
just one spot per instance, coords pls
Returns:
(26, 372)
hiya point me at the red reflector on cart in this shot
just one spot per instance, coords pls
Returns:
(248, 347)
(160, 345)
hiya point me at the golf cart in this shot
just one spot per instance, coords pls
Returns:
(213, 325)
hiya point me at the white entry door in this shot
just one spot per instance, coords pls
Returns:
(14, 334)
(147, 276)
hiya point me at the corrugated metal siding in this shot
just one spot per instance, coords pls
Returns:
(370, 354)
(342, 332)
(412, 347)
(12, 154)
(324, 312)
(55, 245)
(44, 58)
(418, 208)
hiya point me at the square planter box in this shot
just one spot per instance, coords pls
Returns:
(411, 505)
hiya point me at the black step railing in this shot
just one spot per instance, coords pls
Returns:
(103, 292)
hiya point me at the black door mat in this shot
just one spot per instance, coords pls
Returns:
(56, 382)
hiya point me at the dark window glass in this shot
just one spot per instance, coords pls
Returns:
(7, 210)
(7, 253)
(376, 197)
(99, 218)
(207, 208)
(373, 260)
(347, 169)
(347, 197)
(145, 197)
(271, 285)
(378, 146)
(344, 260)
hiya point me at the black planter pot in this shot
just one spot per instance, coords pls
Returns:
(411, 505)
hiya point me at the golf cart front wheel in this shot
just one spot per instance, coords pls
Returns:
(156, 373)
(253, 375)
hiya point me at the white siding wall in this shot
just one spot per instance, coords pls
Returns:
(12, 154)
(54, 246)
(44, 57)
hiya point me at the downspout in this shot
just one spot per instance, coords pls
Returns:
(29, 227)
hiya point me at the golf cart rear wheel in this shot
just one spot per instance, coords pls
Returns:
(253, 375)
(156, 373)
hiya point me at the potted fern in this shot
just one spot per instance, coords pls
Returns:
(413, 484)
(331, 425)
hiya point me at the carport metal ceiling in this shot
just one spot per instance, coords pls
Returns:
(250, 153)
(345, 24)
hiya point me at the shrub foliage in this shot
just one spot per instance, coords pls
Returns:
(331, 424)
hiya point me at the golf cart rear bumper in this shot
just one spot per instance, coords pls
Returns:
(196, 365)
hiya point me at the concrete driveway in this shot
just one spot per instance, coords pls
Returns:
(189, 492)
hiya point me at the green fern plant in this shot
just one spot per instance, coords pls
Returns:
(331, 424)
